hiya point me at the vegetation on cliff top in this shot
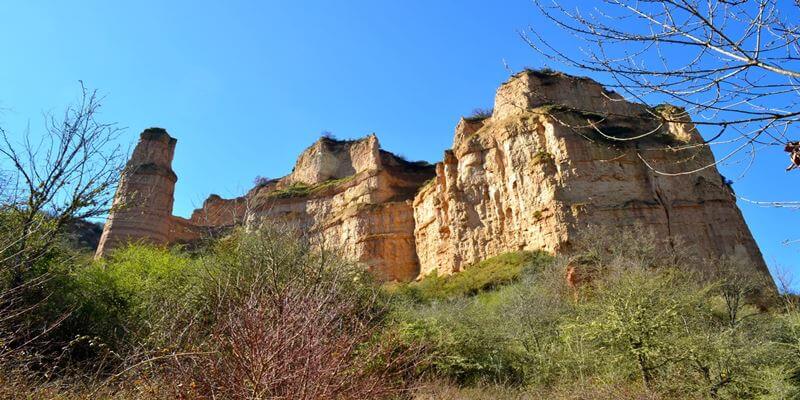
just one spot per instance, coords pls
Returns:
(607, 128)
(300, 189)
(479, 114)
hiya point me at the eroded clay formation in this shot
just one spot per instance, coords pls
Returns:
(558, 153)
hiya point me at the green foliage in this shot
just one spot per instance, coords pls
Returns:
(27, 253)
(644, 324)
(542, 157)
(300, 189)
(482, 276)
(479, 114)
(503, 336)
(639, 319)
(296, 189)
(331, 183)
(119, 302)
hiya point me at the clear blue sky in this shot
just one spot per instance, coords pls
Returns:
(246, 85)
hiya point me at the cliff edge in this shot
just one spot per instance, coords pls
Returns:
(558, 153)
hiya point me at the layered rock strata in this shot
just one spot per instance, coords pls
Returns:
(560, 153)
(355, 197)
(349, 195)
(142, 205)
(557, 154)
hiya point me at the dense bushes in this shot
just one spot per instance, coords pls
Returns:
(271, 318)
(257, 315)
(480, 277)
(121, 302)
(262, 314)
(643, 325)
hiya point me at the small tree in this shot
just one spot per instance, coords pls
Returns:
(66, 174)
(640, 318)
(737, 282)
(47, 182)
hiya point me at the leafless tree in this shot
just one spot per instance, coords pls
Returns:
(732, 65)
(48, 181)
(52, 179)
(737, 284)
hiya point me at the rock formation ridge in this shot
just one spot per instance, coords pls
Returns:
(558, 153)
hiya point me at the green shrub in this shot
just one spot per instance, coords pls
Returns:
(296, 189)
(504, 335)
(479, 277)
(122, 299)
(272, 303)
(643, 322)
(300, 189)
(465, 342)
(479, 114)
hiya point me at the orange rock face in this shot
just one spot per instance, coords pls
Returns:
(355, 198)
(557, 154)
(555, 157)
(142, 207)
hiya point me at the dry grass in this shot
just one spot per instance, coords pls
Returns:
(440, 390)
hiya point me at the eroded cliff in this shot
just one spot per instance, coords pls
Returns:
(142, 206)
(349, 195)
(558, 153)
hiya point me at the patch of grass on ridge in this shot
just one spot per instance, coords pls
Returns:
(300, 189)
(479, 114)
(483, 276)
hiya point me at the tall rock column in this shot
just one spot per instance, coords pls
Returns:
(142, 207)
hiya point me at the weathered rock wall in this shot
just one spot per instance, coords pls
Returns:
(330, 159)
(557, 154)
(536, 172)
(219, 212)
(143, 202)
(367, 216)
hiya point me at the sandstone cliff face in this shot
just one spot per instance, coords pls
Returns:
(334, 159)
(355, 198)
(552, 159)
(348, 196)
(557, 154)
(143, 201)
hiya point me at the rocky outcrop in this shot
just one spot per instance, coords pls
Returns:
(557, 154)
(355, 198)
(560, 153)
(142, 205)
(329, 159)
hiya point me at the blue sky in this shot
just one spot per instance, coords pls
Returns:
(246, 85)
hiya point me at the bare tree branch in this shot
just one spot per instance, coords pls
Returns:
(50, 180)
(734, 66)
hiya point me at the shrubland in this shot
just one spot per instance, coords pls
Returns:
(649, 320)
(254, 315)
(267, 314)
